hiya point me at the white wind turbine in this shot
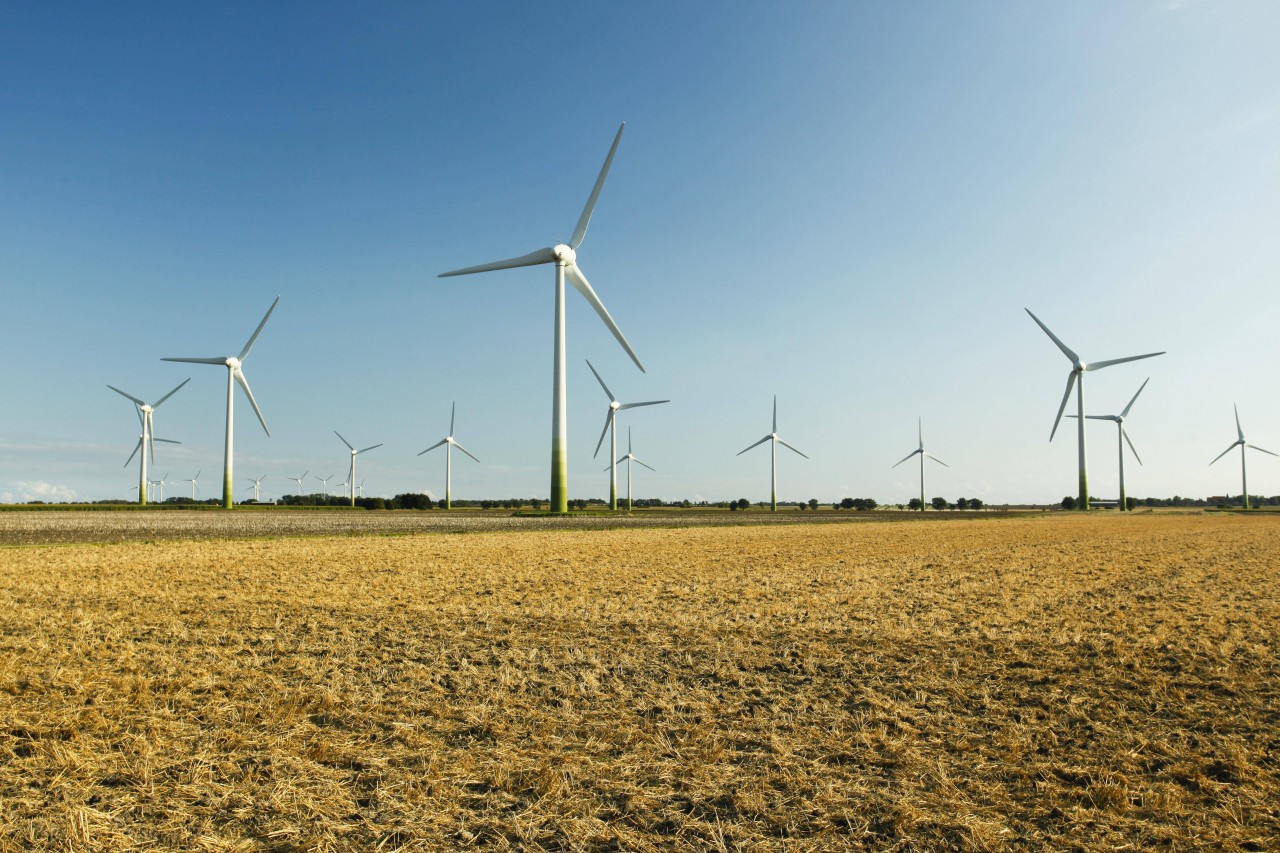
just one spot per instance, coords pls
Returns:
(564, 256)
(449, 443)
(235, 373)
(1076, 378)
(257, 484)
(922, 453)
(351, 478)
(1242, 444)
(299, 480)
(146, 443)
(161, 483)
(773, 456)
(360, 488)
(195, 488)
(629, 458)
(324, 483)
(1121, 439)
(611, 427)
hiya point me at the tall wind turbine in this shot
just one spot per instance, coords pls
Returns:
(922, 453)
(256, 487)
(147, 442)
(1242, 444)
(773, 456)
(611, 427)
(235, 374)
(195, 488)
(160, 483)
(564, 256)
(1076, 378)
(1121, 438)
(351, 478)
(449, 443)
(299, 480)
(360, 488)
(629, 458)
(324, 482)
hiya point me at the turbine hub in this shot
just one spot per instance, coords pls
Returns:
(564, 254)
(1080, 367)
(233, 362)
(615, 405)
(145, 409)
(773, 435)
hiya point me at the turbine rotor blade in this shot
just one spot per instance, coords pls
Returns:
(638, 462)
(464, 450)
(244, 384)
(1256, 447)
(130, 396)
(608, 393)
(370, 447)
(789, 447)
(608, 419)
(1129, 442)
(1233, 446)
(221, 361)
(580, 230)
(439, 443)
(1071, 381)
(1066, 350)
(1098, 365)
(244, 353)
(757, 444)
(157, 403)
(542, 256)
(453, 413)
(579, 281)
(343, 440)
(1125, 413)
(775, 412)
(936, 459)
(133, 454)
(1239, 431)
(626, 406)
(904, 459)
(166, 440)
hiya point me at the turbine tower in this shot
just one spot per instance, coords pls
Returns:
(351, 478)
(195, 488)
(773, 456)
(1121, 439)
(1242, 444)
(1076, 378)
(146, 443)
(299, 480)
(611, 427)
(564, 256)
(922, 453)
(629, 458)
(449, 443)
(235, 374)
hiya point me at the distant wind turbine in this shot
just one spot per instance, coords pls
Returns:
(146, 443)
(611, 427)
(923, 454)
(1122, 438)
(449, 443)
(324, 482)
(1076, 378)
(360, 488)
(351, 478)
(256, 486)
(160, 484)
(235, 374)
(299, 480)
(1242, 444)
(629, 458)
(773, 456)
(564, 256)
(195, 488)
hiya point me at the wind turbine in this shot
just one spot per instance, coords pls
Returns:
(1078, 370)
(773, 456)
(629, 458)
(351, 478)
(449, 444)
(611, 427)
(360, 488)
(160, 483)
(1122, 438)
(564, 256)
(1242, 444)
(299, 480)
(235, 373)
(923, 453)
(324, 483)
(146, 443)
(192, 481)
(256, 485)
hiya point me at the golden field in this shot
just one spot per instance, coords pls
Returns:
(1051, 683)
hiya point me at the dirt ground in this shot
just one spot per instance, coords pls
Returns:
(1057, 682)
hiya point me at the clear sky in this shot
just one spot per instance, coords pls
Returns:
(844, 204)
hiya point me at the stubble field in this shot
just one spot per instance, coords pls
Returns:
(1044, 683)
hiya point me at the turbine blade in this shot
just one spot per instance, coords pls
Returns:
(370, 447)
(789, 447)
(166, 440)
(453, 413)
(244, 353)
(904, 459)
(775, 412)
(1129, 442)
(133, 454)
(344, 441)
(581, 230)
(130, 396)
(757, 444)
(936, 459)
(626, 406)
(608, 419)
(221, 361)
(542, 256)
(244, 384)
(1098, 365)
(1256, 447)
(434, 446)
(464, 450)
(1125, 413)
(1239, 431)
(1067, 351)
(920, 431)
(1071, 381)
(157, 403)
(1233, 446)
(579, 281)
(638, 462)
(607, 392)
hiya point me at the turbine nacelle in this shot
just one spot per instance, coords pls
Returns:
(233, 363)
(564, 254)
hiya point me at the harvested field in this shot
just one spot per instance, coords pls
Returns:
(1063, 682)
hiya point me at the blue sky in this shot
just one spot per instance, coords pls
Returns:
(845, 204)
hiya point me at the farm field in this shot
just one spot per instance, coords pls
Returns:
(1048, 682)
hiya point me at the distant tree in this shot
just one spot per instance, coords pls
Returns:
(962, 503)
(914, 504)
(1130, 503)
(939, 503)
(1068, 502)
(868, 504)
(743, 503)
(899, 506)
(733, 506)
(813, 504)
(847, 503)
(975, 503)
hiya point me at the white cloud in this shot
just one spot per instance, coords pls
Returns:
(25, 492)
